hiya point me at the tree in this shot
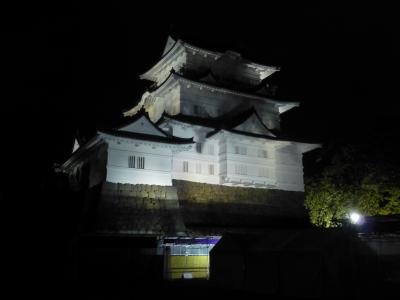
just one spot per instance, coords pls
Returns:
(354, 178)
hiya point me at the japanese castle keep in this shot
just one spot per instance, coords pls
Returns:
(200, 151)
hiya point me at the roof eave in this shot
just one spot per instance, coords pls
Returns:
(78, 153)
(151, 73)
(284, 107)
(307, 147)
(134, 110)
(226, 90)
(125, 135)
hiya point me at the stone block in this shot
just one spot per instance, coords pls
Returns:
(143, 194)
(171, 195)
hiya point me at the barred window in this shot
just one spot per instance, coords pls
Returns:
(140, 162)
(131, 161)
(136, 162)
(241, 169)
(186, 166)
(211, 169)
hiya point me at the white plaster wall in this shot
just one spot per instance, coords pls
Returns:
(137, 176)
(281, 169)
(289, 169)
(193, 99)
(158, 162)
(155, 162)
(251, 166)
(198, 164)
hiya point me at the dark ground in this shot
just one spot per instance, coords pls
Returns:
(278, 264)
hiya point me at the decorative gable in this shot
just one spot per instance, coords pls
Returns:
(170, 43)
(144, 126)
(253, 124)
(76, 146)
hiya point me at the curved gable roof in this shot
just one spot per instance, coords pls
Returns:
(141, 123)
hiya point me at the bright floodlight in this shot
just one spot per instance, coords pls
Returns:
(355, 218)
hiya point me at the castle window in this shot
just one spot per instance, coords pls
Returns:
(241, 169)
(136, 162)
(199, 147)
(131, 161)
(240, 150)
(186, 166)
(211, 169)
(140, 162)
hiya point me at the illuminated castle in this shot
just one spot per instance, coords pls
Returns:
(207, 118)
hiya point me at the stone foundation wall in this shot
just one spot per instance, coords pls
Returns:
(195, 192)
(142, 209)
(216, 205)
(145, 196)
(152, 209)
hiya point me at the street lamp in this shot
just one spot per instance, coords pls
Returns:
(355, 218)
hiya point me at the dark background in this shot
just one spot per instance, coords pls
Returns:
(75, 67)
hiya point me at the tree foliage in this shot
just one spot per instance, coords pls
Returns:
(354, 178)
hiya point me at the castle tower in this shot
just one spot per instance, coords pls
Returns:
(196, 82)
(206, 131)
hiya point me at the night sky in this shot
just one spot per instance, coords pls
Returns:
(75, 68)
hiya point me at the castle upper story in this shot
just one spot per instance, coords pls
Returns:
(227, 69)
(192, 81)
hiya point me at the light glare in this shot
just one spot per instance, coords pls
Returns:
(355, 218)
